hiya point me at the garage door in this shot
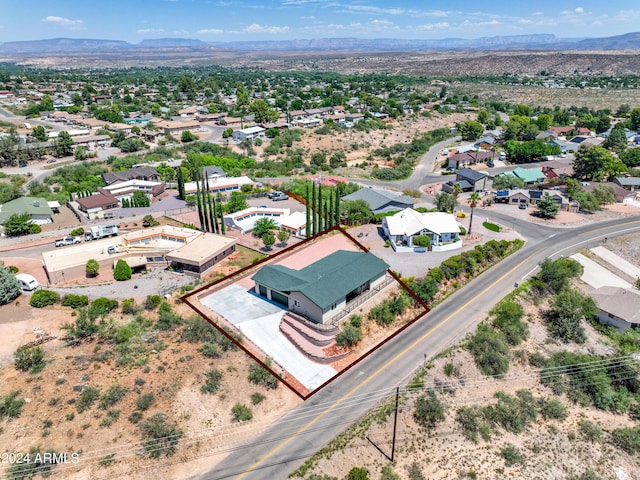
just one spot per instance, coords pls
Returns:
(280, 298)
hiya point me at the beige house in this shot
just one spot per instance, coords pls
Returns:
(618, 307)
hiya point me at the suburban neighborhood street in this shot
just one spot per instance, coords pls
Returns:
(306, 429)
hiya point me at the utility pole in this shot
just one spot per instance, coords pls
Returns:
(395, 426)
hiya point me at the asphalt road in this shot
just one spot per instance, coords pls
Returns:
(301, 433)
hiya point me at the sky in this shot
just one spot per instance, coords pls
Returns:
(234, 20)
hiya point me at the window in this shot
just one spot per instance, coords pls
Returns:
(333, 307)
(296, 303)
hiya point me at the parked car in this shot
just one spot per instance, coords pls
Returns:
(275, 193)
(279, 196)
(27, 282)
(522, 206)
(68, 240)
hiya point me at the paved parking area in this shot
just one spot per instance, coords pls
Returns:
(259, 320)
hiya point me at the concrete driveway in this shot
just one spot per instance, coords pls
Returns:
(259, 320)
(596, 275)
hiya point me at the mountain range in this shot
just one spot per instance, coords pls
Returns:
(511, 42)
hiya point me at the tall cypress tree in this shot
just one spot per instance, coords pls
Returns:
(181, 190)
(199, 205)
(337, 205)
(222, 226)
(308, 210)
(214, 210)
(205, 199)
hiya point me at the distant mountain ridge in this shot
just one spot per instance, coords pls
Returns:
(510, 42)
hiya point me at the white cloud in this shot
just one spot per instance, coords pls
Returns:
(1, 27)
(65, 22)
(152, 30)
(210, 31)
(579, 10)
(257, 28)
(434, 26)
(537, 14)
(490, 22)
(370, 9)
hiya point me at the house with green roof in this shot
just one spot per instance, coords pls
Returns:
(529, 175)
(321, 290)
(37, 208)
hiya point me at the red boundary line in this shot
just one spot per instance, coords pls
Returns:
(186, 299)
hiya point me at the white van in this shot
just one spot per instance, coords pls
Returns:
(27, 281)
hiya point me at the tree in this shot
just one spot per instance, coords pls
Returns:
(483, 116)
(9, 286)
(263, 112)
(617, 140)
(429, 411)
(544, 121)
(568, 309)
(92, 267)
(422, 241)
(20, 224)
(264, 225)
(39, 133)
(149, 221)
(444, 202)
(122, 271)
(604, 194)
(474, 198)
(268, 239)
(140, 199)
(237, 202)
(635, 119)
(188, 137)
(547, 207)
(63, 145)
(283, 236)
(596, 163)
(470, 130)
(507, 181)
(355, 211)
(631, 157)
(81, 153)
(555, 275)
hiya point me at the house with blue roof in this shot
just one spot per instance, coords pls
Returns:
(322, 290)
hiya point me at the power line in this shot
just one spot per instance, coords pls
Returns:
(361, 402)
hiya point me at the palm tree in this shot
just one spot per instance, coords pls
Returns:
(455, 191)
(474, 198)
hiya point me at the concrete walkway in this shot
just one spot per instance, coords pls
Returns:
(259, 320)
(616, 261)
(596, 275)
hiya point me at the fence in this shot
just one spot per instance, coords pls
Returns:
(351, 306)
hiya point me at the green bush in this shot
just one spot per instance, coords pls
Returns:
(152, 301)
(590, 431)
(160, 437)
(358, 473)
(257, 398)
(628, 439)
(10, 287)
(11, 405)
(429, 411)
(241, 413)
(82, 328)
(145, 401)
(212, 383)
(555, 275)
(210, 350)
(77, 232)
(122, 271)
(568, 309)
(490, 351)
(44, 298)
(167, 319)
(387, 473)
(422, 241)
(349, 336)
(75, 301)
(491, 226)
(40, 463)
(553, 409)
(259, 375)
(473, 423)
(507, 318)
(29, 359)
(129, 306)
(101, 307)
(87, 398)
(113, 395)
(512, 456)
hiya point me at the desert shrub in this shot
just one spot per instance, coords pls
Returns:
(358, 473)
(241, 413)
(568, 309)
(40, 463)
(512, 413)
(415, 472)
(387, 473)
(122, 271)
(210, 350)
(212, 383)
(77, 232)
(349, 336)
(590, 431)
(153, 301)
(167, 318)
(490, 351)
(44, 298)
(257, 398)
(628, 439)
(429, 411)
(553, 409)
(451, 370)
(508, 319)
(29, 359)
(536, 359)
(75, 301)
(87, 398)
(11, 405)
(512, 456)
(129, 306)
(159, 436)
(555, 275)
(101, 307)
(83, 327)
(144, 401)
(259, 375)
(473, 423)
(135, 417)
(113, 395)
(355, 321)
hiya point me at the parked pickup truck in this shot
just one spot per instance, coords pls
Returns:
(68, 240)
(275, 196)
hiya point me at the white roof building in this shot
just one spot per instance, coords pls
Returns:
(442, 228)
(221, 184)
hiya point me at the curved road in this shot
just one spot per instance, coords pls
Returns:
(306, 429)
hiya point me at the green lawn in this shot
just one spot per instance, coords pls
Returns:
(491, 226)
